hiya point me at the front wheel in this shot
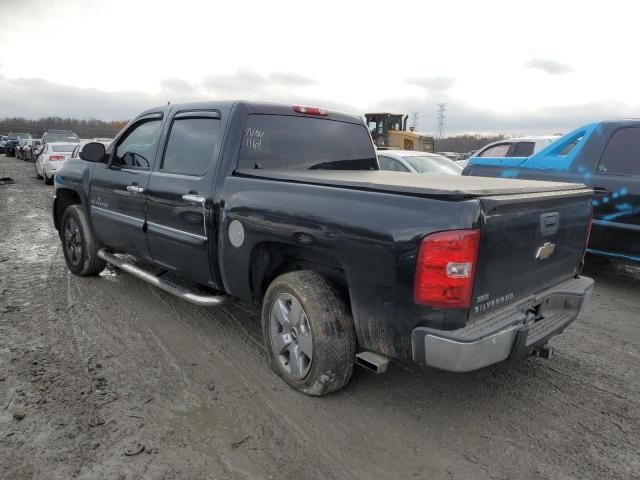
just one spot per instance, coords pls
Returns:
(308, 333)
(79, 244)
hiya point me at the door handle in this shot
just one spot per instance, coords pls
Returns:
(135, 189)
(601, 191)
(191, 198)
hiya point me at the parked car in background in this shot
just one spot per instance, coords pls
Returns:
(13, 139)
(417, 162)
(604, 156)
(19, 146)
(516, 147)
(51, 157)
(29, 149)
(450, 155)
(60, 136)
(463, 158)
(3, 142)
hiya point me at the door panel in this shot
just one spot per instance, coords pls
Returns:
(616, 214)
(179, 196)
(616, 182)
(118, 189)
(117, 214)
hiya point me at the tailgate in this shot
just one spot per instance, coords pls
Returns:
(528, 243)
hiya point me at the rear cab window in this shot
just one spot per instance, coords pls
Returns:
(295, 142)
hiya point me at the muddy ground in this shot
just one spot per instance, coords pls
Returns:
(110, 378)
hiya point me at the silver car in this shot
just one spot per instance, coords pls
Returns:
(417, 162)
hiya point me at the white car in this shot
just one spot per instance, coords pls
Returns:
(516, 147)
(417, 162)
(51, 157)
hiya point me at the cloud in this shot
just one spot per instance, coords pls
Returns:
(177, 86)
(245, 83)
(291, 79)
(34, 98)
(464, 118)
(550, 66)
(433, 84)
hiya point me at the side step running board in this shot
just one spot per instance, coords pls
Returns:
(189, 296)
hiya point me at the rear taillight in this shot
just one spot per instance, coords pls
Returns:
(56, 158)
(446, 268)
(311, 110)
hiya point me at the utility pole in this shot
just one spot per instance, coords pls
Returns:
(442, 114)
(414, 121)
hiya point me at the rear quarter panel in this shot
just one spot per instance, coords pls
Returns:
(373, 236)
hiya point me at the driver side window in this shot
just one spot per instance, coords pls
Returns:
(136, 150)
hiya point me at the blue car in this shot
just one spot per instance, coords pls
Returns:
(602, 155)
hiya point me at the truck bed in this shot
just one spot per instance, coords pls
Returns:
(448, 187)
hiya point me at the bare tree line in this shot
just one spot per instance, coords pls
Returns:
(89, 128)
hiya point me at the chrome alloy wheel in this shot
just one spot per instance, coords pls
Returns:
(291, 337)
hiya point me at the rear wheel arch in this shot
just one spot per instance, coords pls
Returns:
(269, 260)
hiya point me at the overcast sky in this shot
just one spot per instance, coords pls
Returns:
(507, 67)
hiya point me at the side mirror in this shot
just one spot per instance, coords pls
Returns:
(93, 152)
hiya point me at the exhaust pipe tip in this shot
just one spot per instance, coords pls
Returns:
(374, 362)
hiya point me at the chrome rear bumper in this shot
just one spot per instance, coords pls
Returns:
(508, 332)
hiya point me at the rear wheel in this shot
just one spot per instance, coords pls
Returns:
(47, 180)
(79, 244)
(308, 333)
(37, 172)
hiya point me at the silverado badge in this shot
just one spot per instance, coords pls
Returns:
(545, 251)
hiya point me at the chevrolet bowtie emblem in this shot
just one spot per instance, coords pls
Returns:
(545, 251)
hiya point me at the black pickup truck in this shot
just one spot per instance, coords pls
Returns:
(285, 205)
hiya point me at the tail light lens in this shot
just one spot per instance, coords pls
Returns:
(311, 110)
(56, 158)
(446, 269)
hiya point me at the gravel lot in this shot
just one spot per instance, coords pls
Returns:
(108, 377)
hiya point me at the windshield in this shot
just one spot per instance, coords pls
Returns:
(63, 148)
(434, 165)
(292, 142)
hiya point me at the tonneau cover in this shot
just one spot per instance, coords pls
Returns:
(446, 186)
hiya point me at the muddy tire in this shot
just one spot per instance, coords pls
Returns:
(79, 244)
(308, 333)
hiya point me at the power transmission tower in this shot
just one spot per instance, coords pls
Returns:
(442, 114)
(414, 121)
